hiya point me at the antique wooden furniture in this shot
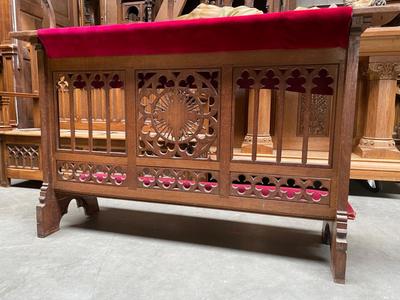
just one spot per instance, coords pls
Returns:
(376, 107)
(182, 99)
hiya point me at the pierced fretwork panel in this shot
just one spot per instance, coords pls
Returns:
(274, 187)
(84, 172)
(272, 102)
(91, 111)
(178, 180)
(178, 115)
(23, 156)
(320, 108)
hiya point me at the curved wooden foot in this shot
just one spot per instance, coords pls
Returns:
(339, 247)
(49, 211)
(89, 204)
(53, 206)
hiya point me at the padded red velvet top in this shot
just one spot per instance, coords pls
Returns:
(319, 28)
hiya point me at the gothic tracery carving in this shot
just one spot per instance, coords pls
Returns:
(284, 188)
(178, 180)
(178, 113)
(84, 172)
(23, 156)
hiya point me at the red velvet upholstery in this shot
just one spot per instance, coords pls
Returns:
(351, 213)
(320, 28)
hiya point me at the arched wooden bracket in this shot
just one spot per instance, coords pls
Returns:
(53, 206)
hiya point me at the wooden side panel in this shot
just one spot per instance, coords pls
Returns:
(64, 11)
(30, 16)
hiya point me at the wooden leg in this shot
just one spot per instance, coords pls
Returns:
(5, 182)
(50, 210)
(339, 247)
(89, 204)
(53, 206)
(326, 232)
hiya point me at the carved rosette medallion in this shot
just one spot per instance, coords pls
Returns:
(177, 115)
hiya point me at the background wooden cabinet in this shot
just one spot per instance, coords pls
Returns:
(18, 71)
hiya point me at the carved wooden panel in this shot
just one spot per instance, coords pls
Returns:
(320, 108)
(84, 172)
(97, 84)
(178, 180)
(178, 113)
(63, 9)
(284, 188)
(133, 11)
(23, 156)
(285, 82)
(318, 79)
(93, 102)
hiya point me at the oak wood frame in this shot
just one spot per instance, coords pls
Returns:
(56, 194)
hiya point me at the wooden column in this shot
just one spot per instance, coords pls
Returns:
(377, 140)
(7, 104)
(35, 86)
(264, 140)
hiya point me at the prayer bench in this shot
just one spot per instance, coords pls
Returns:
(184, 88)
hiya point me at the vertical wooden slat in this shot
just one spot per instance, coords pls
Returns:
(71, 114)
(306, 121)
(57, 115)
(131, 103)
(332, 114)
(108, 116)
(280, 119)
(90, 117)
(256, 107)
(35, 86)
(226, 131)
